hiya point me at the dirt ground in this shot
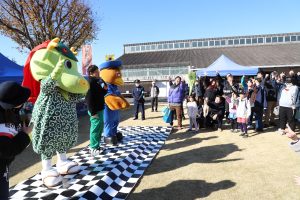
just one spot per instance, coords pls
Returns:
(203, 165)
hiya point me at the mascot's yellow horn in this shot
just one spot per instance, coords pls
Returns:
(53, 43)
(73, 51)
(109, 57)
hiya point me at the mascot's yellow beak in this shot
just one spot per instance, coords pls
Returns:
(119, 81)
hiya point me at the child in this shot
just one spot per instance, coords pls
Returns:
(243, 112)
(13, 137)
(232, 111)
(203, 111)
(192, 110)
(205, 108)
(95, 102)
(251, 95)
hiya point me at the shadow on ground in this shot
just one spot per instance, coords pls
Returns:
(186, 142)
(179, 189)
(207, 154)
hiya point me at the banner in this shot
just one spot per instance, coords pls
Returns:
(86, 58)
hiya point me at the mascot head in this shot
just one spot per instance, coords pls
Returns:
(110, 71)
(44, 60)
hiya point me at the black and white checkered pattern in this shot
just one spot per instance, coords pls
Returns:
(111, 175)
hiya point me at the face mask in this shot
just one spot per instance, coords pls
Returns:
(137, 85)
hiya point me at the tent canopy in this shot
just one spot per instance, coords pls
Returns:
(223, 65)
(9, 70)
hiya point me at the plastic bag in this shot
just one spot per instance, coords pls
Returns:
(167, 114)
(276, 111)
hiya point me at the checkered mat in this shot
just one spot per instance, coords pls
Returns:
(111, 175)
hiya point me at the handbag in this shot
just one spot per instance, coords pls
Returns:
(167, 115)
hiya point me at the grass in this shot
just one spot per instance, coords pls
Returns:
(203, 165)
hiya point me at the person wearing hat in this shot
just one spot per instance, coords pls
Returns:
(13, 136)
(95, 103)
(138, 96)
(154, 92)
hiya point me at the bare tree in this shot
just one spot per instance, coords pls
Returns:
(31, 22)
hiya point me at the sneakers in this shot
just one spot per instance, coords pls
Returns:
(250, 127)
(135, 118)
(96, 152)
(232, 130)
(281, 132)
(219, 129)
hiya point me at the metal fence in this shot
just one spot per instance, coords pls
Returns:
(153, 73)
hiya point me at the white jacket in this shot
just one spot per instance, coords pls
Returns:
(243, 108)
(288, 96)
(192, 109)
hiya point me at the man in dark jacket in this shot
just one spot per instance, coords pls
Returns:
(271, 90)
(260, 104)
(13, 136)
(95, 102)
(138, 97)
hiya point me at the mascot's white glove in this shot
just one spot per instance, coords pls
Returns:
(57, 71)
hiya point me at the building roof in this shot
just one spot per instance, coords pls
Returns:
(280, 54)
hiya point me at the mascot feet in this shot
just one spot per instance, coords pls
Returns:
(111, 140)
(68, 167)
(51, 178)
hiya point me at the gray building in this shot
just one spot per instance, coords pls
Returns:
(159, 60)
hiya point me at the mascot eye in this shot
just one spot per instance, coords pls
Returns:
(68, 64)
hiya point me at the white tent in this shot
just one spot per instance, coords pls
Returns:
(223, 65)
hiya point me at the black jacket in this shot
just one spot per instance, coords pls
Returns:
(217, 108)
(229, 89)
(10, 146)
(138, 94)
(95, 96)
(211, 93)
(271, 89)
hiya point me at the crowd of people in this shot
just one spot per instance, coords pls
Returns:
(245, 103)
(212, 101)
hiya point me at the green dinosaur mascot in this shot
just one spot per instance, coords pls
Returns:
(54, 118)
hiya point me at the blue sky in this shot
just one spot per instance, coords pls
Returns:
(134, 21)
